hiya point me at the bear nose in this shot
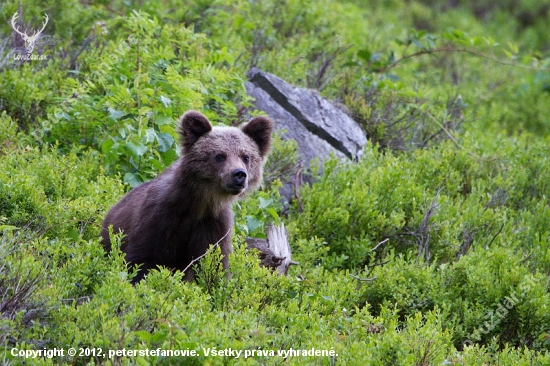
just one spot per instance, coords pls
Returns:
(239, 177)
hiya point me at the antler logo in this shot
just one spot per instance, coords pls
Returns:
(29, 40)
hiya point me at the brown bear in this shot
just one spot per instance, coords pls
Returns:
(172, 219)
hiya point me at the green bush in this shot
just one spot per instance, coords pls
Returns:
(432, 249)
(58, 195)
(461, 232)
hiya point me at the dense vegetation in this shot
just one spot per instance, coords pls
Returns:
(433, 249)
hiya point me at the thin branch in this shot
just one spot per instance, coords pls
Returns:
(371, 267)
(422, 233)
(363, 279)
(497, 234)
(83, 46)
(468, 239)
(382, 242)
(451, 137)
(452, 49)
(208, 251)
(78, 300)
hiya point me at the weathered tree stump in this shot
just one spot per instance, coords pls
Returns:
(275, 252)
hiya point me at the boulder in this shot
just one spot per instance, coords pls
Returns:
(319, 127)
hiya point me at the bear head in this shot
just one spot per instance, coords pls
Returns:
(227, 160)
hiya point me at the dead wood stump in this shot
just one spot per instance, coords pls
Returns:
(274, 251)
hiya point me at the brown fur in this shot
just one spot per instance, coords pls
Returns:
(173, 219)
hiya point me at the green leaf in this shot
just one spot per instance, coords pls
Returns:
(150, 135)
(62, 115)
(364, 54)
(165, 141)
(476, 41)
(132, 179)
(144, 336)
(162, 120)
(265, 202)
(136, 150)
(253, 224)
(352, 64)
(393, 77)
(418, 44)
(157, 165)
(141, 361)
(107, 145)
(375, 57)
(513, 47)
(116, 115)
(165, 101)
(168, 157)
(273, 213)
(159, 336)
(8, 227)
(72, 233)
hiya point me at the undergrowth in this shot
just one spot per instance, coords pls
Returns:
(432, 249)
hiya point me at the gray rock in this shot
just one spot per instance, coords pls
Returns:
(319, 127)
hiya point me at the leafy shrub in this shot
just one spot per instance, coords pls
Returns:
(59, 195)
(130, 90)
(20, 280)
(404, 256)
(463, 237)
(126, 94)
(436, 197)
(353, 207)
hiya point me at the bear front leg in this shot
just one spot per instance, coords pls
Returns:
(189, 275)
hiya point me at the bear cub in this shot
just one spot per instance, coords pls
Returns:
(172, 219)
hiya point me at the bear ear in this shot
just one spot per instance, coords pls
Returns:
(260, 129)
(192, 125)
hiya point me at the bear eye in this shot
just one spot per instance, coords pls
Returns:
(220, 157)
(246, 158)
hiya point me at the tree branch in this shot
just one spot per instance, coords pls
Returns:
(463, 50)
(208, 251)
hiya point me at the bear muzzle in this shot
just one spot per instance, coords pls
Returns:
(239, 181)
